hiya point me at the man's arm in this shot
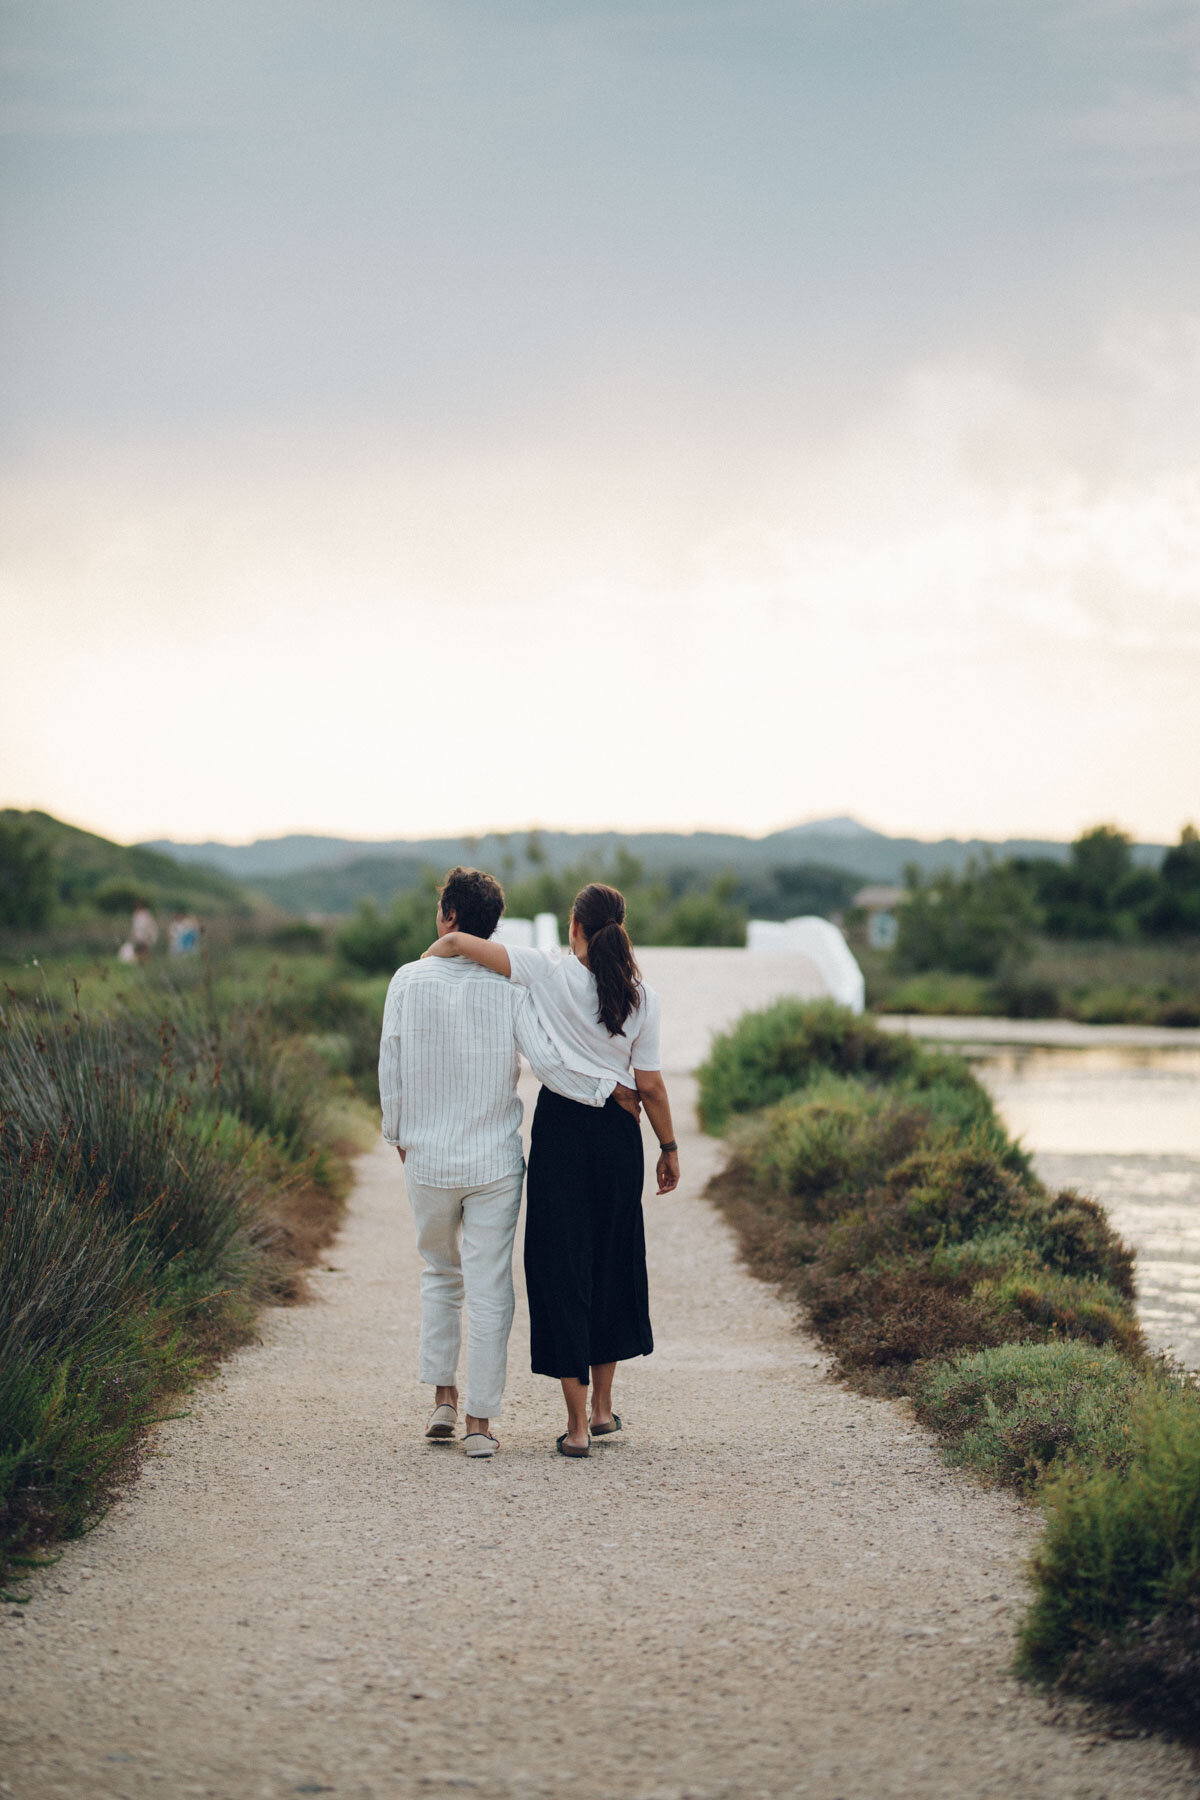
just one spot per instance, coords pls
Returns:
(549, 1067)
(390, 1094)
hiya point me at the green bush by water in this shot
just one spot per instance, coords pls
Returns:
(872, 1178)
(1117, 1611)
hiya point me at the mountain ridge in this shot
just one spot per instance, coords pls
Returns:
(306, 871)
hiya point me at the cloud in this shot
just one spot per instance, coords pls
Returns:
(979, 582)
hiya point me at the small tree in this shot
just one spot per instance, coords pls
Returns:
(26, 877)
(1175, 911)
(970, 924)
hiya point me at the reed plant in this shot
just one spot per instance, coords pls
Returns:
(165, 1166)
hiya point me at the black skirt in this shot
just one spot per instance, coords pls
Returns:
(585, 1238)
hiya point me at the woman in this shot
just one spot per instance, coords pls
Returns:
(585, 1241)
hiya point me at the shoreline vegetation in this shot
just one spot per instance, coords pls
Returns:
(1092, 932)
(870, 1179)
(174, 1151)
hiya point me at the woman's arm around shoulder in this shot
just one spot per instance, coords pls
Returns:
(484, 951)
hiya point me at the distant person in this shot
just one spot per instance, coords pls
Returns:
(183, 933)
(448, 1070)
(143, 931)
(585, 1237)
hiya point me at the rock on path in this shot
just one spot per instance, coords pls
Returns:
(767, 1586)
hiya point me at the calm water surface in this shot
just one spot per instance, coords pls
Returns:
(1124, 1126)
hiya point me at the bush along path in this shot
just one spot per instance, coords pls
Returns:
(871, 1178)
(165, 1169)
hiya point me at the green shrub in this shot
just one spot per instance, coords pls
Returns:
(777, 1051)
(26, 876)
(1065, 1306)
(1009, 1412)
(953, 1190)
(298, 937)
(878, 1185)
(118, 895)
(833, 1140)
(377, 943)
(1117, 1611)
(881, 1317)
(1071, 1233)
(941, 994)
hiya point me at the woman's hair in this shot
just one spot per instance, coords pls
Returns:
(599, 912)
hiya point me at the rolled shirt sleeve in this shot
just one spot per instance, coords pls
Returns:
(545, 1061)
(528, 967)
(646, 1052)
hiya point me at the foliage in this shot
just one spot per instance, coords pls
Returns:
(969, 924)
(377, 943)
(26, 875)
(1117, 1609)
(63, 884)
(164, 1165)
(779, 1050)
(1008, 1413)
(884, 1194)
(940, 994)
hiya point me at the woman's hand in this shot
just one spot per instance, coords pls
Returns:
(667, 1170)
(443, 946)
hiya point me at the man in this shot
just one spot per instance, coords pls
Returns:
(448, 1071)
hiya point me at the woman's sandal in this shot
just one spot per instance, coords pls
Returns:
(480, 1443)
(608, 1430)
(561, 1445)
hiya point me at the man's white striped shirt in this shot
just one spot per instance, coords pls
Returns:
(448, 1069)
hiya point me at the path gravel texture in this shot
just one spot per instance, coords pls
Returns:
(766, 1586)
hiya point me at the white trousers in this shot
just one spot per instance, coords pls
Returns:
(466, 1238)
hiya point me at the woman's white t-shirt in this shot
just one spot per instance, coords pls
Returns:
(564, 993)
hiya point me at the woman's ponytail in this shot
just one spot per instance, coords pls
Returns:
(599, 912)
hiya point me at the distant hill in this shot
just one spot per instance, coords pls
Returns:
(329, 875)
(87, 868)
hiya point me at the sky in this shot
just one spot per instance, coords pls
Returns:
(429, 417)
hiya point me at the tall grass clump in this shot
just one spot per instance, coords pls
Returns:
(871, 1178)
(162, 1171)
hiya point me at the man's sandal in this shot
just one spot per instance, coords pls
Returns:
(480, 1443)
(442, 1421)
(608, 1430)
(565, 1449)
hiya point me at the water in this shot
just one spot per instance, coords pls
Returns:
(1121, 1124)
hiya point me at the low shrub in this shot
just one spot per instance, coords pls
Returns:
(883, 1319)
(826, 1145)
(1064, 1307)
(777, 1051)
(1071, 1233)
(881, 1190)
(940, 995)
(1008, 1413)
(1117, 1610)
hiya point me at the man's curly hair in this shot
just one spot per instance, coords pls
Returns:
(475, 899)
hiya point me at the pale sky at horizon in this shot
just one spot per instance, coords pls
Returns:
(423, 419)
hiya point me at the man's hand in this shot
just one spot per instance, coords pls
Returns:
(667, 1170)
(403, 1153)
(628, 1098)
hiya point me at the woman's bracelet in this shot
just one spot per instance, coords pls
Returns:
(668, 1147)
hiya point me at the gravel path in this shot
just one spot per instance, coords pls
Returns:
(768, 1586)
